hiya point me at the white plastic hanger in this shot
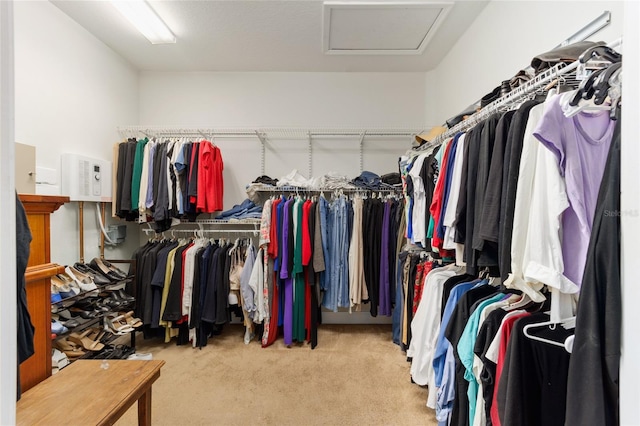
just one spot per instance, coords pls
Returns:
(566, 323)
(585, 105)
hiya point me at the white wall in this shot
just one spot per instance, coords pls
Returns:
(370, 100)
(72, 91)
(630, 202)
(336, 100)
(502, 41)
(8, 258)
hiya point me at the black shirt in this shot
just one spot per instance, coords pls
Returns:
(533, 385)
(484, 164)
(474, 143)
(453, 333)
(486, 334)
(511, 171)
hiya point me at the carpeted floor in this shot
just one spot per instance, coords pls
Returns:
(356, 375)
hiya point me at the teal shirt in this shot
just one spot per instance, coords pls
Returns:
(465, 351)
(137, 173)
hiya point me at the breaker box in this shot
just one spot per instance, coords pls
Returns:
(85, 179)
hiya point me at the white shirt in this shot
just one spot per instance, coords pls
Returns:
(174, 158)
(523, 205)
(425, 326)
(189, 270)
(357, 286)
(256, 280)
(418, 216)
(144, 184)
(454, 195)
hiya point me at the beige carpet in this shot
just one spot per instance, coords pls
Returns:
(356, 375)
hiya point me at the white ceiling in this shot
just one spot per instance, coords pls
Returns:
(270, 35)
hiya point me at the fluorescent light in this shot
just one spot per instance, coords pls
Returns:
(145, 19)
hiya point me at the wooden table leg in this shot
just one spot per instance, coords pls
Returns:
(144, 408)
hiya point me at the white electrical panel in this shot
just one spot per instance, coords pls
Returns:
(85, 179)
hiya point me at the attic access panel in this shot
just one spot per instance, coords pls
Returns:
(385, 28)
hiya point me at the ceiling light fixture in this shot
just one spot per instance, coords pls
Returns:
(146, 20)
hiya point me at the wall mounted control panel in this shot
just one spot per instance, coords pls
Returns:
(85, 178)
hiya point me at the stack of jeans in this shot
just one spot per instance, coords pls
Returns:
(247, 210)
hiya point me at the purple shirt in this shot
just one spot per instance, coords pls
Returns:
(384, 295)
(580, 145)
(286, 213)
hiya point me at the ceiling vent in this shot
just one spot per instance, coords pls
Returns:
(376, 28)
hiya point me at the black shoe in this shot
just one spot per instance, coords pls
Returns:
(82, 313)
(124, 296)
(107, 269)
(98, 278)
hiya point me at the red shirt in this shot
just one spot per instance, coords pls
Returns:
(272, 250)
(438, 199)
(210, 181)
(306, 237)
(504, 341)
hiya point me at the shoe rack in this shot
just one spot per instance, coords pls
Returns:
(94, 319)
(38, 285)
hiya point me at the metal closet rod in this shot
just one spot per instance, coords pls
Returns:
(289, 189)
(204, 231)
(265, 132)
(513, 97)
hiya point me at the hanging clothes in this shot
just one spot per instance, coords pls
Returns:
(595, 358)
(160, 181)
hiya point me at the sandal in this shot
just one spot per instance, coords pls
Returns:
(85, 340)
(116, 324)
(131, 320)
(70, 349)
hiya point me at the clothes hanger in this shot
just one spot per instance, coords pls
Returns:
(602, 52)
(615, 93)
(602, 84)
(520, 303)
(585, 86)
(567, 323)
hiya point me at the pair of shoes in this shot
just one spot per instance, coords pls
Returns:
(55, 294)
(107, 269)
(119, 297)
(62, 286)
(130, 319)
(58, 328)
(97, 277)
(117, 324)
(124, 296)
(92, 304)
(59, 360)
(84, 281)
(89, 339)
(72, 323)
(115, 352)
(70, 349)
(68, 320)
(69, 323)
(83, 313)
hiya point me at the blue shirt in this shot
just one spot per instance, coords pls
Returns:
(442, 343)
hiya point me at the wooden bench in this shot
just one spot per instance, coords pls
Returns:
(85, 393)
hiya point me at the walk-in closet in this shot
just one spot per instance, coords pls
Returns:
(319, 212)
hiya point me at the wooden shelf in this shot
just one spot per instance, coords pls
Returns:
(38, 283)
